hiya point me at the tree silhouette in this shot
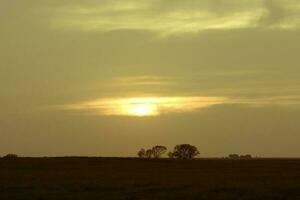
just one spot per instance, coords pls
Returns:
(170, 154)
(236, 156)
(247, 156)
(184, 151)
(149, 153)
(142, 153)
(158, 151)
(233, 156)
(11, 156)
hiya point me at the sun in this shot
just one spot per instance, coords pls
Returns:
(143, 109)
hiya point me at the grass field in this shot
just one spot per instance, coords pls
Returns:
(129, 179)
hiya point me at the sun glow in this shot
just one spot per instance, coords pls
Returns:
(142, 110)
(140, 107)
(147, 106)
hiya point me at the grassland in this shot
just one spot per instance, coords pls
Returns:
(130, 179)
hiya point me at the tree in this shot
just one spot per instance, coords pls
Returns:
(158, 151)
(142, 153)
(149, 153)
(185, 152)
(170, 154)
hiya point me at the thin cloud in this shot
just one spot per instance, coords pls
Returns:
(288, 100)
(176, 16)
(152, 106)
(145, 106)
(141, 81)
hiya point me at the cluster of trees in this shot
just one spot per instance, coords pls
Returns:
(182, 151)
(154, 152)
(11, 155)
(236, 156)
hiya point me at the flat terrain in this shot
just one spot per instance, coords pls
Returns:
(129, 179)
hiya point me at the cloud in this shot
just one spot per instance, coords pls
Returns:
(170, 17)
(157, 105)
(141, 81)
(145, 106)
(281, 14)
(286, 101)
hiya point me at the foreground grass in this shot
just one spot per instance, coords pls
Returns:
(130, 179)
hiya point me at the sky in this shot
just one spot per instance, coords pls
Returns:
(108, 77)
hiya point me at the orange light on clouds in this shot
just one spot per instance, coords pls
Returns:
(146, 106)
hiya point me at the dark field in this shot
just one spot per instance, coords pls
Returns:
(129, 179)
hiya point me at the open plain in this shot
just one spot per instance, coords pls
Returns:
(72, 178)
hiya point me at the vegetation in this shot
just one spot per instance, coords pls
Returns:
(158, 151)
(141, 153)
(10, 156)
(182, 151)
(236, 156)
(154, 152)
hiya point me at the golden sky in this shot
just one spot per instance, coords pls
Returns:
(110, 76)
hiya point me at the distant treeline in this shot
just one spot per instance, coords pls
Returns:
(11, 155)
(236, 156)
(182, 151)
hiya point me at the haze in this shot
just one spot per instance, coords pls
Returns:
(107, 77)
